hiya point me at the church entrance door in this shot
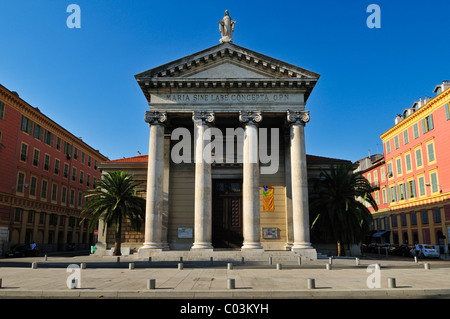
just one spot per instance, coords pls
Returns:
(227, 214)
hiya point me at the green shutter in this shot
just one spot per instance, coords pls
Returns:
(447, 111)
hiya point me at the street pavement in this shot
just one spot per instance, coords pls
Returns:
(128, 277)
(204, 288)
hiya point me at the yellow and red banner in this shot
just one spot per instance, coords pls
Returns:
(267, 198)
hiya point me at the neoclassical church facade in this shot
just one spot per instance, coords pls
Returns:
(227, 166)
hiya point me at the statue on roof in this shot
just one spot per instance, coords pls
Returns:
(226, 26)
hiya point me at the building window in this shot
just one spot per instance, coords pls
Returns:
(27, 125)
(54, 192)
(399, 166)
(66, 170)
(434, 182)
(425, 217)
(63, 194)
(389, 173)
(394, 220)
(41, 218)
(58, 143)
(397, 144)
(413, 218)
(427, 124)
(377, 198)
(72, 197)
(405, 137)
(44, 189)
(47, 162)
(17, 214)
(30, 216)
(422, 186)
(403, 217)
(430, 152)
(401, 188)
(20, 182)
(416, 130)
(2, 110)
(56, 166)
(24, 152)
(437, 215)
(383, 192)
(49, 138)
(36, 157)
(81, 177)
(447, 111)
(419, 157)
(408, 162)
(33, 184)
(74, 173)
(393, 191)
(411, 188)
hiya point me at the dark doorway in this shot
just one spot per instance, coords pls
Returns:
(227, 214)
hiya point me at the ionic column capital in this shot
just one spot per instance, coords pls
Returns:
(298, 117)
(250, 117)
(154, 118)
(204, 117)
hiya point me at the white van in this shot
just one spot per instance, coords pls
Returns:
(427, 251)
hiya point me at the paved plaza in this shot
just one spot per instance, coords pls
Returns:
(129, 277)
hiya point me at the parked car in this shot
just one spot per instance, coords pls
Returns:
(428, 251)
(402, 250)
(22, 251)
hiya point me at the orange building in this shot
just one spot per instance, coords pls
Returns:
(414, 179)
(44, 170)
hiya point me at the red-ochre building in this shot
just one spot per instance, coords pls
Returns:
(44, 170)
(414, 175)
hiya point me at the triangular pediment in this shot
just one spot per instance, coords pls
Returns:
(227, 60)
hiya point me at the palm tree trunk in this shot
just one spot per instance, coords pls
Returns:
(339, 248)
(118, 242)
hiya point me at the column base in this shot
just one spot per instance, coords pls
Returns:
(310, 253)
(148, 251)
(251, 245)
(202, 245)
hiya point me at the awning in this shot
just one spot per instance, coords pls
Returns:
(380, 233)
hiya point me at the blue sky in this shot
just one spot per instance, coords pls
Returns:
(84, 78)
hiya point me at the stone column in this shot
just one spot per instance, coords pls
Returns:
(250, 187)
(155, 173)
(299, 180)
(203, 182)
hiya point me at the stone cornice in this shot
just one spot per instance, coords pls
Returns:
(424, 111)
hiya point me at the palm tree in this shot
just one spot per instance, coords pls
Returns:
(337, 205)
(115, 200)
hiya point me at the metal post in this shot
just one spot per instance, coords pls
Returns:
(149, 260)
(83, 266)
(151, 283)
(311, 283)
(230, 283)
(34, 265)
(426, 266)
(357, 261)
(131, 266)
(211, 260)
(391, 283)
(230, 266)
(299, 260)
(328, 266)
(279, 267)
(270, 260)
(180, 266)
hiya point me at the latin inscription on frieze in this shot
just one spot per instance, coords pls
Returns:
(226, 98)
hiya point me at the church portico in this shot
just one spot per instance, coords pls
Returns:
(227, 157)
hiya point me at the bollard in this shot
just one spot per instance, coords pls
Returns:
(242, 260)
(299, 260)
(118, 259)
(426, 266)
(181, 259)
(279, 267)
(330, 260)
(131, 266)
(270, 260)
(230, 283)
(34, 265)
(211, 260)
(415, 259)
(151, 283)
(357, 261)
(45, 258)
(180, 266)
(311, 283)
(0, 282)
(83, 266)
(391, 283)
(149, 260)
(230, 266)
(328, 266)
